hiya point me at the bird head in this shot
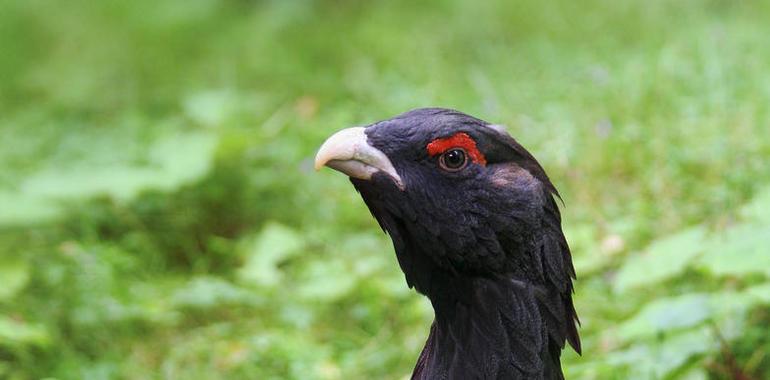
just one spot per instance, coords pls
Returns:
(473, 220)
(455, 193)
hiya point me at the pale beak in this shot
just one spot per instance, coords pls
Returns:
(349, 152)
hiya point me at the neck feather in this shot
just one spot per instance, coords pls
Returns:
(490, 329)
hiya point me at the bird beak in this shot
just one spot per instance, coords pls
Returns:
(349, 152)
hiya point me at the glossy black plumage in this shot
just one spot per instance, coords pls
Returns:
(485, 244)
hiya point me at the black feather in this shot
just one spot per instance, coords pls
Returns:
(484, 244)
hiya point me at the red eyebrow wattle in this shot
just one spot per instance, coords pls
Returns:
(458, 140)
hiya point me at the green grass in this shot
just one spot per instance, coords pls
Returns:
(159, 216)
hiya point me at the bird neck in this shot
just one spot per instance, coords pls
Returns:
(487, 328)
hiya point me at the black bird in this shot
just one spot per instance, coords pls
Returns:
(477, 230)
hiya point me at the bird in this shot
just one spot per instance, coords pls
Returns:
(476, 228)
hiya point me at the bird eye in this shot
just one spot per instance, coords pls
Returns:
(453, 160)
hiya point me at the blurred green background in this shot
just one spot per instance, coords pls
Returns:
(160, 219)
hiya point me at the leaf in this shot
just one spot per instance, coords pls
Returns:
(119, 181)
(668, 314)
(208, 292)
(674, 351)
(759, 207)
(274, 244)
(637, 359)
(327, 280)
(23, 209)
(13, 332)
(758, 294)
(173, 160)
(662, 260)
(182, 157)
(695, 374)
(352, 246)
(738, 251)
(209, 108)
(659, 357)
(15, 275)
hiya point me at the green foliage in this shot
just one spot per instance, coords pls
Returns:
(159, 216)
(15, 275)
(756, 210)
(740, 251)
(274, 244)
(662, 260)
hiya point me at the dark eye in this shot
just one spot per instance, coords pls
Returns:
(453, 160)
